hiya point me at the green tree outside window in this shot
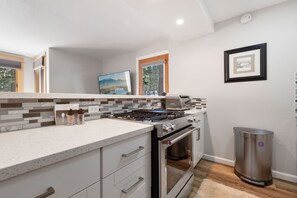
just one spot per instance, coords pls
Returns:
(7, 79)
(152, 80)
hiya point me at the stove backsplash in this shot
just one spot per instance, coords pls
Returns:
(198, 103)
(18, 114)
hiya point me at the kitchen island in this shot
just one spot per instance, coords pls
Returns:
(58, 152)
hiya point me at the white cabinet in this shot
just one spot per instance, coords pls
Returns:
(126, 168)
(133, 181)
(66, 178)
(122, 153)
(198, 139)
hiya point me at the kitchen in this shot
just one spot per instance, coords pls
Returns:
(73, 41)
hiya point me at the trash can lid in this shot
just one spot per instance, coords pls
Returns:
(242, 130)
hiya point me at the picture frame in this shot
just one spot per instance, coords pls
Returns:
(246, 63)
(295, 94)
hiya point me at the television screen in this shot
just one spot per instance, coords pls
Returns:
(116, 83)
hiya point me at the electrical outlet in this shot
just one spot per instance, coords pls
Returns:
(93, 109)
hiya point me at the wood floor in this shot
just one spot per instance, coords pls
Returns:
(224, 174)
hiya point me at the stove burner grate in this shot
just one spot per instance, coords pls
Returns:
(149, 115)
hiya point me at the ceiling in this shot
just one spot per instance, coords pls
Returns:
(102, 28)
(221, 10)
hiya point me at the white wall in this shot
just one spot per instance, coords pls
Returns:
(28, 75)
(197, 68)
(128, 62)
(72, 73)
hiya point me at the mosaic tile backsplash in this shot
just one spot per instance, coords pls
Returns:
(198, 103)
(17, 114)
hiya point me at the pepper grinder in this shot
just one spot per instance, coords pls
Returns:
(70, 117)
(80, 117)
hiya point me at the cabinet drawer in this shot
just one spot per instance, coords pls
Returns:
(67, 178)
(120, 154)
(132, 181)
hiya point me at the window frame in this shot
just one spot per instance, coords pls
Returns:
(19, 72)
(40, 84)
(164, 55)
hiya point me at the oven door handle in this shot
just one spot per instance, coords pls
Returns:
(169, 141)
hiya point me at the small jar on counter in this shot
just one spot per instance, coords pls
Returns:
(70, 117)
(80, 116)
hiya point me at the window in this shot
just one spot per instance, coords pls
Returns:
(8, 80)
(11, 73)
(39, 74)
(153, 75)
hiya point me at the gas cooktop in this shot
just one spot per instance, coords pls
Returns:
(150, 115)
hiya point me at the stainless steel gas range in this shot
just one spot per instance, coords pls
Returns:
(172, 167)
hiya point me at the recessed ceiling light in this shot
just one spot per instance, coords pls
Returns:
(179, 21)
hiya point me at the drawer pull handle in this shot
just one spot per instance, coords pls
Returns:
(49, 191)
(198, 134)
(126, 191)
(133, 152)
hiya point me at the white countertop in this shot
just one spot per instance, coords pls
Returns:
(195, 111)
(7, 95)
(27, 150)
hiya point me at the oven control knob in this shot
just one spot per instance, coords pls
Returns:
(194, 119)
(173, 126)
(191, 119)
(166, 128)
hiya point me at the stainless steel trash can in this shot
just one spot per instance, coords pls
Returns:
(253, 155)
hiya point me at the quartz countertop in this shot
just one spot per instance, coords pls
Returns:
(27, 150)
(195, 111)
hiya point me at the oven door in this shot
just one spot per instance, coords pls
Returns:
(176, 167)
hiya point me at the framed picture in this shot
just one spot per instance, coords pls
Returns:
(296, 94)
(246, 64)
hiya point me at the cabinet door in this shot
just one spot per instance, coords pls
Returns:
(198, 140)
(201, 141)
(94, 191)
(81, 194)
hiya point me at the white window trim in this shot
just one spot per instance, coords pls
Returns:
(145, 57)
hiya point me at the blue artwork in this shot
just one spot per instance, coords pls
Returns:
(115, 84)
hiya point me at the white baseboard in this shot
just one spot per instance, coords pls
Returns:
(275, 174)
(284, 176)
(219, 160)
